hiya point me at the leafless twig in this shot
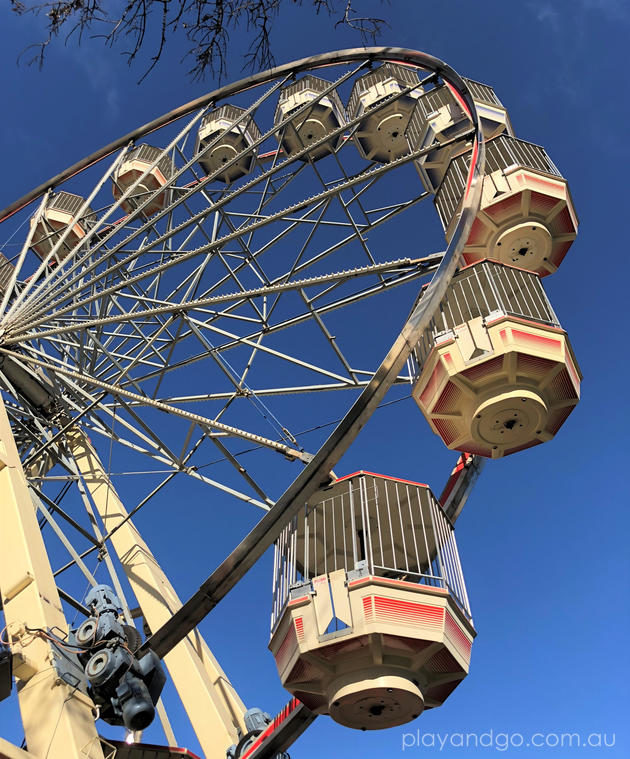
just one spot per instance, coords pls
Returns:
(368, 27)
(148, 26)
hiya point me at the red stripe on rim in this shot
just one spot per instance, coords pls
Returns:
(475, 152)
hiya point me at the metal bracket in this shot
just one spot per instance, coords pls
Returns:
(6, 672)
(67, 666)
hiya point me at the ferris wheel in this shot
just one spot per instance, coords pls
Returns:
(192, 292)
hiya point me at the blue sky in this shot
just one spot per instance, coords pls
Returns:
(543, 539)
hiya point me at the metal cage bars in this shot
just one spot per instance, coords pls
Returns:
(502, 153)
(381, 527)
(485, 289)
(433, 100)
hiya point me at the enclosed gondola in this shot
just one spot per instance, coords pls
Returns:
(384, 99)
(321, 113)
(526, 218)
(439, 120)
(494, 372)
(370, 620)
(226, 143)
(61, 226)
(142, 173)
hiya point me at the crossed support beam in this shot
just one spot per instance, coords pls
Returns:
(213, 706)
(58, 718)
(31, 601)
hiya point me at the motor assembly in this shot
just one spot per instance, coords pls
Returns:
(256, 722)
(124, 687)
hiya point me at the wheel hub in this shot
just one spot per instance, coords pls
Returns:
(97, 665)
(526, 245)
(509, 420)
(221, 155)
(371, 702)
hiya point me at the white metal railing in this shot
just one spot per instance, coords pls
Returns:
(431, 102)
(487, 288)
(378, 525)
(227, 115)
(67, 202)
(502, 153)
(311, 84)
(483, 93)
(405, 76)
(149, 154)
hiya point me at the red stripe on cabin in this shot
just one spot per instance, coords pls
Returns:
(544, 342)
(434, 382)
(362, 472)
(521, 320)
(535, 179)
(447, 429)
(369, 579)
(299, 628)
(408, 612)
(456, 634)
(297, 601)
(368, 608)
(286, 649)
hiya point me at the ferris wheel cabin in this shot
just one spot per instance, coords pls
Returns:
(526, 217)
(149, 170)
(325, 115)
(439, 117)
(380, 135)
(494, 372)
(370, 620)
(225, 143)
(60, 219)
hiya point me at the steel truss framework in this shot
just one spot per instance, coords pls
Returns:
(202, 330)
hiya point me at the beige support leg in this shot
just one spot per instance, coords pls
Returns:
(213, 706)
(9, 751)
(166, 724)
(58, 720)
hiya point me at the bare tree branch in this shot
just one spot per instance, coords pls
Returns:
(368, 27)
(147, 26)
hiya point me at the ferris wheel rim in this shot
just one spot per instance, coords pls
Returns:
(331, 451)
(316, 472)
(434, 66)
(322, 60)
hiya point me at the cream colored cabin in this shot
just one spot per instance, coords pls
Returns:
(314, 122)
(380, 135)
(439, 117)
(147, 171)
(526, 218)
(61, 212)
(495, 373)
(370, 622)
(225, 143)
